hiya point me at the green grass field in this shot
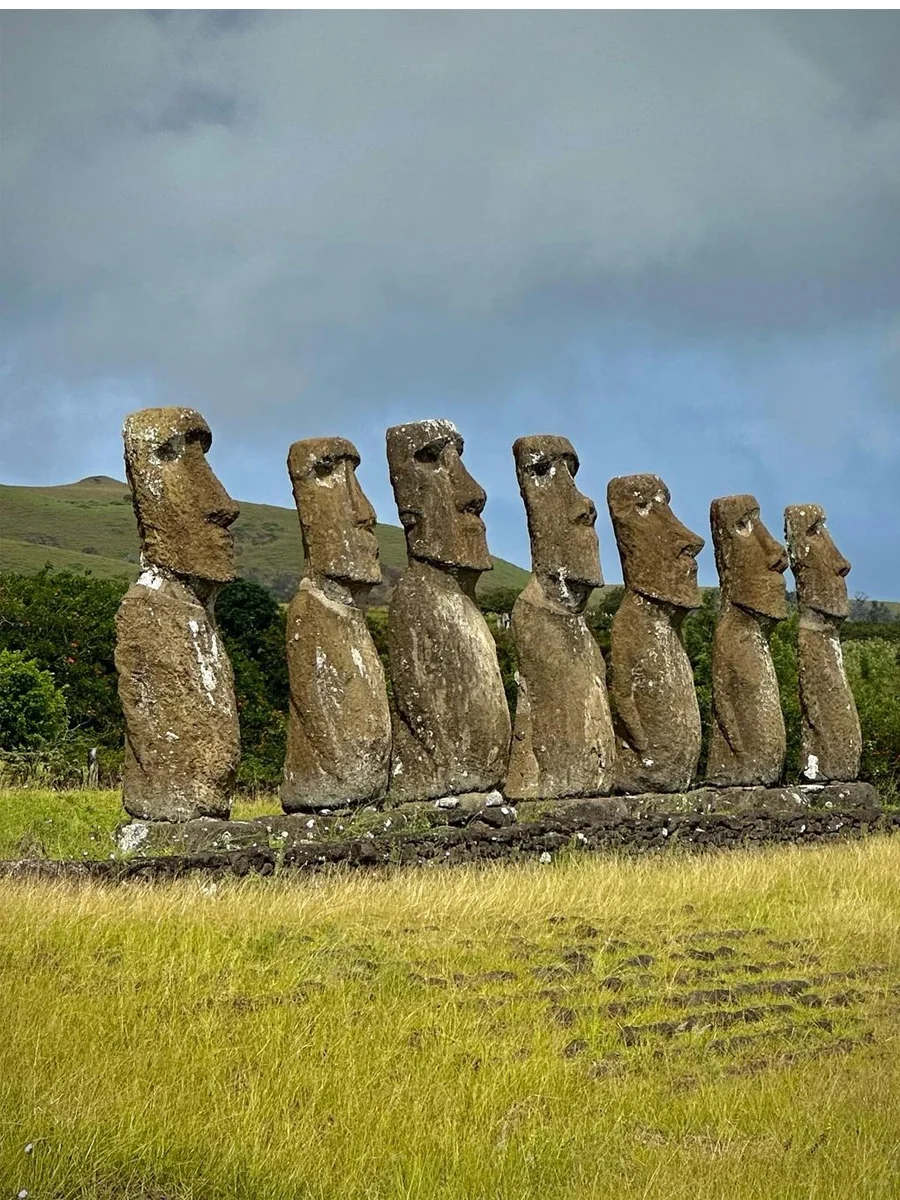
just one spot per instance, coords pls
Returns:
(79, 824)
(674, 1028)
(90, 525)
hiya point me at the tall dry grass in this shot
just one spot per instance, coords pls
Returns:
(459, 1034)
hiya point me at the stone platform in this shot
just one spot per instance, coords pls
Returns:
(478, 828)
(479, 825)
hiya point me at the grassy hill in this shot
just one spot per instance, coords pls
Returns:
(90, 526)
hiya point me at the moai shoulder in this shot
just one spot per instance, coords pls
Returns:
(451, 721)
(657, 719)
(175, 681)
(563, 743)
(747, 740)
(831, 741)
(339, 729)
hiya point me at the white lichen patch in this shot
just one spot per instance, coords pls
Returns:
(132, 837)
(206, 650)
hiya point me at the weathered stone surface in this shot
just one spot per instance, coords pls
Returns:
(747, 740)
(657, 717)
(632, 825)
(339, 726)
(175, 681)
(451, 724)
(831, 741)
(183, 512)
(563, 742)
(189, 837)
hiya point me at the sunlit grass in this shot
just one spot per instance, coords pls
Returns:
(80, 823)
(460, 1033)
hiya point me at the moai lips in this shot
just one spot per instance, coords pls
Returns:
(563, 743)
(657, 717)
(451, 723)
(831, 742)
(339, 727)
(175, 681)
(747, 741)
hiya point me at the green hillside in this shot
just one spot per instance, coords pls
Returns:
(90, 526)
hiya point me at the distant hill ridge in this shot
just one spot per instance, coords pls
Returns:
(90, 526)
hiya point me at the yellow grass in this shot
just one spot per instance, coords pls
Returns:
(345, 1036)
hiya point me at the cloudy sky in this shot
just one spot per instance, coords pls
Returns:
(674, 238)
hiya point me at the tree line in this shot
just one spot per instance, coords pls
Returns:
(58, 694)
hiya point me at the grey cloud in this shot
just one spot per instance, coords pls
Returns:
(255, 208)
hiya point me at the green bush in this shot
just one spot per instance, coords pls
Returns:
(65, 623)
(252, 623)
(873, 668)
(33, 709)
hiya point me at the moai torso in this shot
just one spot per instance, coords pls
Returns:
(563, 743)
(830, 737)
(175, 681)
(657, 720)
(747, 741)
(657, 715)
(182, 743)
(339, 725)
(451, 727)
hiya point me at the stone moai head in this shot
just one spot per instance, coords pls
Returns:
(751, 564)
(658, 553)
(336, 518)
(819, 569)
(440, 504)
(182, 510)
(565, 552)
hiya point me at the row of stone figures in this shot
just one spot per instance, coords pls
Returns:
(448, 731)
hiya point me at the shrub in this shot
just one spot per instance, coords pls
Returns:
(65, 623)
(873, 668)
(32, 708)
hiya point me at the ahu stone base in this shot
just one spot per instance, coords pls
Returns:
(483, 826)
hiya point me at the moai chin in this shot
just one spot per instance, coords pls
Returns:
(747, 740)
(830, 738)
(451, 721)
(182, 742)
(339, 725)
(563, 743)
(657, 717)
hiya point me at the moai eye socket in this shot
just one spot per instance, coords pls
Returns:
(745, 525)
(324, 467)
(430, 453)
(171, 449)
(540, 468)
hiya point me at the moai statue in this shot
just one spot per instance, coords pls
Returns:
(657, 719)
(182, 743)
(747, 740)
(831, 742)
(339, 725)
(451, 722)
(563, 743)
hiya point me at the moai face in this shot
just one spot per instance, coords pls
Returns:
(565, 552)
(751, 564)
(336, 518)
(183, 512)
(440, 504)
(819, 569)
(658, 553)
